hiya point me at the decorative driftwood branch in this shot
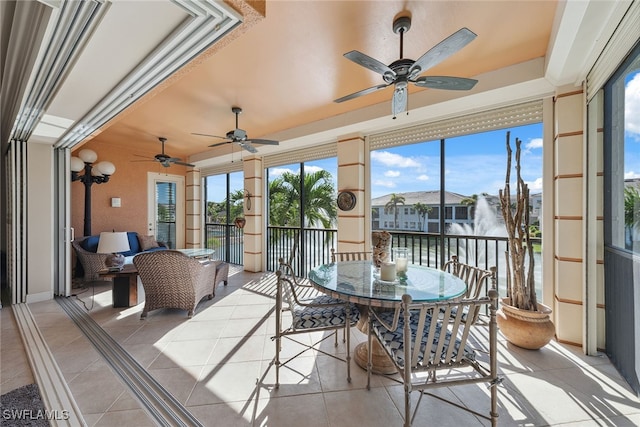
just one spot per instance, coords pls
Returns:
(520, 264)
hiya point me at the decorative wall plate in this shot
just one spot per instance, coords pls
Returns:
(346, 200)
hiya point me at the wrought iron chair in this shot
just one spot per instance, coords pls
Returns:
(476, 279)
(309, 314)
(349, 256)
(429, 352)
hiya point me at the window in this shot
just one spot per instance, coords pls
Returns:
(434, 213)
(448, 212)
(622, 97)
(462, 212)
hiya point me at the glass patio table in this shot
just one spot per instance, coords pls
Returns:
(359, 282)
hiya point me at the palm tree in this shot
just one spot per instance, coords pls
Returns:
(632, 209)
(422, 211)
(319, 199)
(392, 204)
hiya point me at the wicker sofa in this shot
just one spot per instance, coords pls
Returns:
(89, 262)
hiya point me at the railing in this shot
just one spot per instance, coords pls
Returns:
(227, 240)
(314, 248)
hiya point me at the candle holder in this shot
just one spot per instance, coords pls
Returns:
(401, 258)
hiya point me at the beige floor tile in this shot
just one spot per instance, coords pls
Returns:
(368, 407)
(184, 353)
(132, 417)
(306, 409)
(238, 350)
(229, 382)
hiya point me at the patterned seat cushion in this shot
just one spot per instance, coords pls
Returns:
(305, 317)
(393, 340)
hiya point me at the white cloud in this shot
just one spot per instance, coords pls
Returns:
(423, 178)
(534, 143)
(632, 107)
(393, 160)
(311, 169)
(275, 172)
(386, 184)
(631, 175)
(392, 174)
(535, 185)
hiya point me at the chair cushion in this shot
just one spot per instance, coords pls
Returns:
(147, 242)
(393, 340)
(134, 245)
(305, 317)
(90, 244)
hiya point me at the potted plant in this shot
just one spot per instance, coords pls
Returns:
(523, 320)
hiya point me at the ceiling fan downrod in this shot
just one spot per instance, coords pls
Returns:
(401, 26)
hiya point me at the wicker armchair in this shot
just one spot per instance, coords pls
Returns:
(91, 262)
(173, 280)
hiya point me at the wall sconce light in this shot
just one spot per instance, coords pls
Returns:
(248, 196)
(98, 173)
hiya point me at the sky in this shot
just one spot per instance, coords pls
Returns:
(475, 164)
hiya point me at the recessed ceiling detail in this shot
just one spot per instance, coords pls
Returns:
(209, 20)
(74, 23)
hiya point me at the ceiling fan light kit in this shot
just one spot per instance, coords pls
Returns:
(239, 136)
(404, 71)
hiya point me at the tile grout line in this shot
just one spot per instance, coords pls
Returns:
(155, 399)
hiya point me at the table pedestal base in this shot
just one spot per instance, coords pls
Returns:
(380, 362)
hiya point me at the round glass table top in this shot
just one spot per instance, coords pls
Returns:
(359, 282)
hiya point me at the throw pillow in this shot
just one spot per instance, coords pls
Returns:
(147, 242)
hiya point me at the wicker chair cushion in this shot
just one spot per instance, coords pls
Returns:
(305, 317)
(394, 342)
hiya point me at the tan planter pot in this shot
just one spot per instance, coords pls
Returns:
(527, 329)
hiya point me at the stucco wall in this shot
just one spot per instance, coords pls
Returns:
(129, 183)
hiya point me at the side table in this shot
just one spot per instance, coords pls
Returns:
(127, 287)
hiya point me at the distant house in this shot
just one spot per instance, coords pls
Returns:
(455, 211)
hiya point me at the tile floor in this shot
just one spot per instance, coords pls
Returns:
(219, 366)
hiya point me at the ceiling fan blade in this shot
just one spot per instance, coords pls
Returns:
(183, 164)
(220, 143)
(369, 62)
(263, 141)
(399, 101)
(206, 134)
(360, 93)
(445, 82)
(442, 50)
(250, 148)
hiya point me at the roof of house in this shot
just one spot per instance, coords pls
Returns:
(426, 197)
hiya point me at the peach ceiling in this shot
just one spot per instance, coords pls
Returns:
(285, 70)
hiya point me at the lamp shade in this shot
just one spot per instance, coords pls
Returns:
(87, 156)
(76, 164)
(107, 168)
(112, 242)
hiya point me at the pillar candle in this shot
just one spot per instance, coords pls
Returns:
(388, 271)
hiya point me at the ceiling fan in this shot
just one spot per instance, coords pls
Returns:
(164, 159)
(404, 71)
(239, 136)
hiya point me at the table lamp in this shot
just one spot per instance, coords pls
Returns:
(111, 243)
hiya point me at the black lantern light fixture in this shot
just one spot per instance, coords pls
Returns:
(97, 173)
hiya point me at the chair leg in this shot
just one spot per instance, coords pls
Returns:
(347, 333)
(277, 360)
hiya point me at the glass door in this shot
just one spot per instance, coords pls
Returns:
(166, 209)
